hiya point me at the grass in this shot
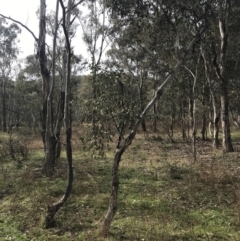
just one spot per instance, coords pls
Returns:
(163, 195)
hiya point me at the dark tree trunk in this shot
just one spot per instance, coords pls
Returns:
(4, 114)
(154, 118)
(112, 208)
(204, 118)
(204, 127)
(183, 126)
(226, 140)
(58, 125)
(53, 209)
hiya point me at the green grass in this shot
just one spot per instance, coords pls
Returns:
(163, 195)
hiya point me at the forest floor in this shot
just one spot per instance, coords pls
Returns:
(163, 194)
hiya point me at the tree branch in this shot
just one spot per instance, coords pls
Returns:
(24, 26)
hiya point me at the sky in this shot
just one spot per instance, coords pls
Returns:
(25, 12)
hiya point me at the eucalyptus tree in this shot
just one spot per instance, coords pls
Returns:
(233, 64)
(51, 129)
(220, 66)
(192, 104)
(166, 18)
(8, 54)
(48, 84)
(214, 117)
(66, 22)
(95, 30)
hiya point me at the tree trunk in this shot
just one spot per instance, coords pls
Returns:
(193, 126)
(204, 128)
(60, 113)
(58, 125)
(52, 209)
(4, 114)
(155, 118)
(204, 119)
(47, 90)
(112, 208)
(215, 139)
(220, 69)
(183, 128)
(226, 134)
(172, 124)
(192, 109)
(215, 122)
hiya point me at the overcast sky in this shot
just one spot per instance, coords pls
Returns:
(25, 12)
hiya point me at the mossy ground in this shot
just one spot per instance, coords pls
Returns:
(163, 195)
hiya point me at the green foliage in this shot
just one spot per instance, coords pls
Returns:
(15, 148)
(114, 109)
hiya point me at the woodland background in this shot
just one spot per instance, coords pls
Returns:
(138, 141)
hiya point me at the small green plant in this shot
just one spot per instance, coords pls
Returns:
(177, 170)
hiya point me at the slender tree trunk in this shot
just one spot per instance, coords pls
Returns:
(155, 108)
(192, 110)
(57, 129)
(220, 69)
(214, 102)
(227, 142)
(47, 90)
(183, 126)
(155, 118)
(60, 111)
(204, 119)
(52, 209)
(172, 123)
(204, 128)
(143, 77)
(4, 114)
(194, 127)
(112, 208)
(215, 122)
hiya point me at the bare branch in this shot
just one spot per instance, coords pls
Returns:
(64, 27)
(24, 26)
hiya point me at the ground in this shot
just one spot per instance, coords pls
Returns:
(163, 194)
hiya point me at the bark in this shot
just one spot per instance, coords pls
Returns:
(227, 142)
(52, 209)
(143, 77)
(59, 122)
(172, 124)
(192, 109)
(121, 147)
(204, 118)
(204, 127)
(60, 110)
(183, 127)
(112, 208)
(155, 118)
(215, 140)
(47, 92)
(220, 70)
(4, 121)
